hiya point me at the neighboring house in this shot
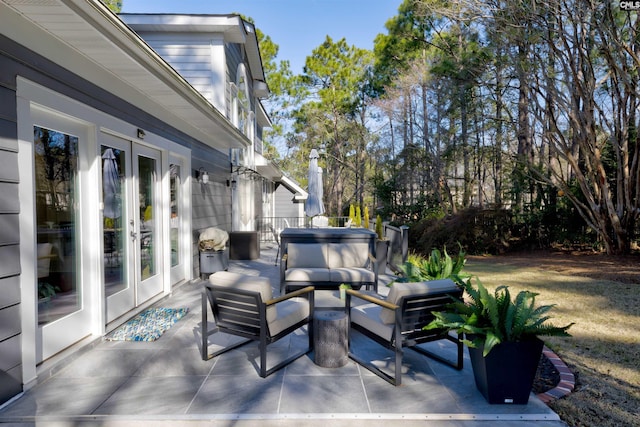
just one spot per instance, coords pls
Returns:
(111, 162)
(289, 200)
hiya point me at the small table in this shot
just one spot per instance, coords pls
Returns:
(331, 338)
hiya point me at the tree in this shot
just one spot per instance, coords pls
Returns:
(332, 114)
(114, 5)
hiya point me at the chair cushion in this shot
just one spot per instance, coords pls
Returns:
(307, 275)
(312, 255)
(248, 283)
(290, 312)
(368, 316)
(399, 290)
(347, 255)
(351, 275)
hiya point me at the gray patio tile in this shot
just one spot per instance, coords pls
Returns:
(305, 366)
(426, 395)
(186, 361)
(323, 394)
(64, 396)
(152, 396)
(106, 362)
(238, 394)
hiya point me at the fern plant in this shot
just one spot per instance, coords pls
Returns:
(490, 319)
(439, 265)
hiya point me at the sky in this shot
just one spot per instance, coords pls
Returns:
(296, 26)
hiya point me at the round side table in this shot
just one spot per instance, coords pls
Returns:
(331, 338)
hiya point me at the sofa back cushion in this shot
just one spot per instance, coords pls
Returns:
(399, 290)
(311, 255)
(342, 255)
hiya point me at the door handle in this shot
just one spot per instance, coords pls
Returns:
(132, 233)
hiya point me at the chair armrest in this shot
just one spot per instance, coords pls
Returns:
(374, 300)
(373, 262)
(283, 266)
(290, 295)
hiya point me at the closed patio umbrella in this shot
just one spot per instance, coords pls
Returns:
(314, 205)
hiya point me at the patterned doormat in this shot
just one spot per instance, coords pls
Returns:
(148, 325)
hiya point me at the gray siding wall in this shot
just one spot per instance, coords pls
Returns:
(189, 54)
(285, 206)
(10, 331)
(210, 203)
(211, 207)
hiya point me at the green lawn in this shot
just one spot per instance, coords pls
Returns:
(604, 351)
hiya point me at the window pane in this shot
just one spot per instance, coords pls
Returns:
(56, 177)
(175, 214)
(113, 194)
(146, 194)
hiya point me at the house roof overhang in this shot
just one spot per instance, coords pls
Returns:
(267, 168)
(86, 38)
(233, 27)
(299, 193)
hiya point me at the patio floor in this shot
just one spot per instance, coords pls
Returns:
(117, 383)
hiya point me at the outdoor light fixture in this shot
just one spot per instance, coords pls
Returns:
(234, 184)
(141, 134)
(203, 176)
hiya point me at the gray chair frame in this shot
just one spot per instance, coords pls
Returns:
(411, 314)
(243, 313)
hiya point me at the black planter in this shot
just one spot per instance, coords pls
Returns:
(506, 375)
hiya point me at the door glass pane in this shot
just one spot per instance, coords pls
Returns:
(56, 178)
(175, 213)
(113, 194)
(146, 194)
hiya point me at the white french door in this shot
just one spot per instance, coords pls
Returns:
(59, 154)
(131, 222)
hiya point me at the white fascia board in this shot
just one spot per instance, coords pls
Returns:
(262, 117)
(92, 42)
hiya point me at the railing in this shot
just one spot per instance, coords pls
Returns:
(264, 225)
(398, 245)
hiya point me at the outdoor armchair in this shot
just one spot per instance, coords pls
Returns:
(397, 321)
(243, 306)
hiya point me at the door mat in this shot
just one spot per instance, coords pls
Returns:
(148, 325)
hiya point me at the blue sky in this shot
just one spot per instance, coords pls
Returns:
(297, 26)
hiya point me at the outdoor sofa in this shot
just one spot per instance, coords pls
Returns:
(327, 265)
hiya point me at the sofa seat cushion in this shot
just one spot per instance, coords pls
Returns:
(351, 275)
(347, 255)
(399, 290)
(290, 312)
(248, 283)
(307, 275)
(311, 255)
(368, 316)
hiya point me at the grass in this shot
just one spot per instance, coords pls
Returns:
(604, 350)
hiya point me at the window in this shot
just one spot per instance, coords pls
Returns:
(56, 178)
(244, 120)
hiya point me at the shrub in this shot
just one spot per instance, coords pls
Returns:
(437, 266)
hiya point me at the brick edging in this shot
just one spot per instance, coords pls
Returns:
(567, 379)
